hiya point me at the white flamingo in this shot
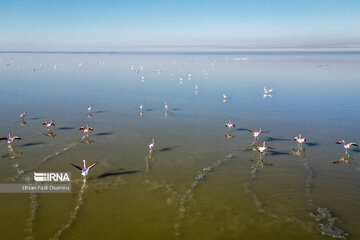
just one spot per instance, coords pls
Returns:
(84, 170)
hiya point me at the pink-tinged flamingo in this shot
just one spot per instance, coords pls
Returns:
(346, 146)
(300, 140)
(22, 116)
(49, 124)
(230, 124)
(10, 139)
(86, 129)
(262, 148)
(84, 170)
(151, 145)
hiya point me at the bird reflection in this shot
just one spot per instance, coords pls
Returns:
(11, 153)
(228, 136)
(166, 113)
(24, 123)
(299, 152)
(259, 164)
(50, 134)
(86, 140)
(345, 159)
(267, 95)
(90, 116)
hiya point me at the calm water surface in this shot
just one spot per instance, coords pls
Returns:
(132, 194)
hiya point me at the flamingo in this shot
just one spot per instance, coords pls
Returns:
(262, 148)
(22, 116)
(256, 134)
(151, 145)
(299, 139)
(89, 109)
(346, 146)
(230, 124)
(84, 170)
(86, 129)
(166, 106)
(141, 107)
(10, 139)
(267, 92)
(224, 98)
(48, 125)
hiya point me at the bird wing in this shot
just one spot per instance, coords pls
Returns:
(251, 131)
(4, 138)
(340, 142)
(90, 128)
(16, 138)
(44, 123)
(92, 165)
(82, 128)
(53, 123)
(352, 143)
(80, 168)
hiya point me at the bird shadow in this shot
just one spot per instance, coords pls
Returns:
(149, 110)
(242, 129)
(104, 133)
(101, 111)
(269, 139)
(278, 153)
(116, 173)
(165, 149)
(310, 144)
(65, 128)
(175, 109)
(35, 118)
(32, 144)
(356, 150)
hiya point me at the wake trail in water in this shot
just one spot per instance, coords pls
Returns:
(30, 224)
(73, 214)
(189, 193)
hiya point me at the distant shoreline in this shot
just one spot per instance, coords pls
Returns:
(247, 51)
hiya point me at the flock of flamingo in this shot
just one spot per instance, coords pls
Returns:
(261, 148)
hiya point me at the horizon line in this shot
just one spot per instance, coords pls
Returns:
(283, 50)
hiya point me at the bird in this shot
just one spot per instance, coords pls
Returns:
(86, 129)
(10, 139)
(230, 124)
(166, 106)
(346, 146)
(224, 98)
(256, 134)
(267, 92)
(89, 109)
(48, 125)
(141, 107)
(84, 170)
(299, 139)
(151, 145)
(22, 116)
(262, 148)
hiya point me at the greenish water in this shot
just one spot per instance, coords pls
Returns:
(132, 194)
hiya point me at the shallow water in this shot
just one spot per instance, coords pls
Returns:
(167, 194)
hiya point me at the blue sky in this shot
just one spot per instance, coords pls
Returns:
(116, 25)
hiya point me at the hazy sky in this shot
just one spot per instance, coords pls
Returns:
(115, 25)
